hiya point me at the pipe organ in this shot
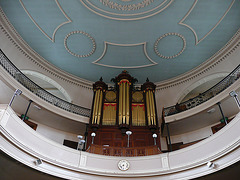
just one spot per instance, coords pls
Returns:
(99, 88)
(149, 89)
(122, 108)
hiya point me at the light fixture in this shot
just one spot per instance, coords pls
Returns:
(154, 138)
(211, 110)
(37, 107)
(210, 165)
(128, 133)
(79, 136)
(93, 134)
(80, 142)
(16, 93)
(38, 162)
(234, 95)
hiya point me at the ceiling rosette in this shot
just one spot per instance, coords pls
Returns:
(126, 9)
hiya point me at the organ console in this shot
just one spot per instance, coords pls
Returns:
(120, 109)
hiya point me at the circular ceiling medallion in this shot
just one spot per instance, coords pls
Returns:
(165, 35)
(79, 55)
(126, 9)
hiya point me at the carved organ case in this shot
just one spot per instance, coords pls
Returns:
(123, 108)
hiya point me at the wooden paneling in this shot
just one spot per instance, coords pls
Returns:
(128, 152)
(111, 136)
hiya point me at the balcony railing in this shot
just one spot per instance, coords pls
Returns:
(205, 96)
(37, 90)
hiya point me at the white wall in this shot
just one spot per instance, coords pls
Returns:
(55, 134)
(192, 136)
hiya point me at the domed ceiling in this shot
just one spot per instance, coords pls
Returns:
(158, 39)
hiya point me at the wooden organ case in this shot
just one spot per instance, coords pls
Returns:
(118, 110)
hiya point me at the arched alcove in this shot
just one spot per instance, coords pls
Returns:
(48, 84)
(201, 86)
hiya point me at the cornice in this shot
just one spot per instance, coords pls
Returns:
(13, 36)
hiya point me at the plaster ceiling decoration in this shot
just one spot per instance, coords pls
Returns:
(58, 22)
(126, 64)
(87, 35)
(195, 28)
(165, 35)
(114, 9)
(158, 39)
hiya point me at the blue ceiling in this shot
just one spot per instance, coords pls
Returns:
(158, 39)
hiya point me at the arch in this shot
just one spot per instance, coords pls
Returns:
(198, 83)
(47, 79)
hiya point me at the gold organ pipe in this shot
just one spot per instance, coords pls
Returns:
(148, 108)
(94, 108)
(120, 104)
(99, 107)
(153, 109)
(127, 102)
(124, 103)
(96, 111)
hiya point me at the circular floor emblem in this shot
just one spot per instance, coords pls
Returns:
(123, 165)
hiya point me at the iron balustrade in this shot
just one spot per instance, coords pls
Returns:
(205, 96)
(37, 90)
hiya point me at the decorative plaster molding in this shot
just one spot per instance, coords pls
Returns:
(95, 10)
(165, 35)
(127, 7)
(124, 45)
(232, 45)
(17, 41)
(77, 55)
(38, 26)
(197, 41)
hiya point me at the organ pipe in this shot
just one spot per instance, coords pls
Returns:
(127, 102)
(124, 104)
(149, 88)
(99, 89)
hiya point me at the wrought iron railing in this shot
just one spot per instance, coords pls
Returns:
(37, 90)
(203, 97)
